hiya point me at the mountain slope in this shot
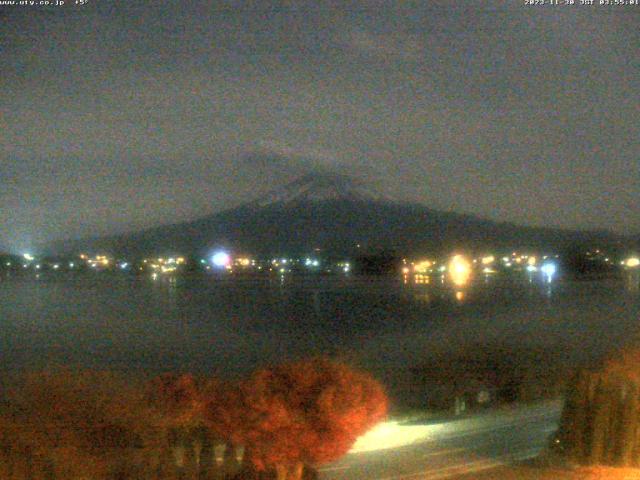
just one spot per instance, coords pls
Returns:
(334, 213)
(318, 188)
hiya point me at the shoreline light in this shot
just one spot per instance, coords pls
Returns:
(488, 260)
(221, 259)
(549, 270)
(632, 262)
(459, 270)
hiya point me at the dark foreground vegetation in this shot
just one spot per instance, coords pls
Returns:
(487, 375)
(601, 418)
(276, 424)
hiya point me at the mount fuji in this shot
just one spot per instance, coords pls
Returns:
(334, 213)
(315, 188)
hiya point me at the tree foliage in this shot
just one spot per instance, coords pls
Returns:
(72, 423)
(176, 398)
(307, 412)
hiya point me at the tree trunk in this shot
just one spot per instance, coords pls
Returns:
(289, 472)
(600, 420)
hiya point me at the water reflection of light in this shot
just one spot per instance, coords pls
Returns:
(459, 270)
(424, 297)
(633, 281)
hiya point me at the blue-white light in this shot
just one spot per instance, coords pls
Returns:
(549, 270)
(221, 259)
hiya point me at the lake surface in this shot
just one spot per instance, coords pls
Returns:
(230, 326)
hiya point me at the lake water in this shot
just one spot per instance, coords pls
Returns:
(230, 326)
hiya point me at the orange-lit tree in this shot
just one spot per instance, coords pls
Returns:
(176, 401)
(72, 424)
(303, 413)
(175, 398)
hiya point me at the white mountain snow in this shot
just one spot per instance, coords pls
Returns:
(323, 187)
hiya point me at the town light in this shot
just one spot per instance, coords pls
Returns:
(423, 266)
(459, 270)
(221, 259)
(488, 260)
(632, 262)
(549, 270)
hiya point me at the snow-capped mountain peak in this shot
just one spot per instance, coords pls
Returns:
(323, 187)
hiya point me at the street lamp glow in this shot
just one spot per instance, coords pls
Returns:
(221, 259)
(423, 266)
(459, 270)
(28, 256)
(549, 270)
(488, 260)
(632, 262)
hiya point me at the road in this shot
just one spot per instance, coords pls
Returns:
(446, 450)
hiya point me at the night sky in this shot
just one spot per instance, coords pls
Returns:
(120, 115)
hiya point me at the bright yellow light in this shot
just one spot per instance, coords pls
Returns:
(632, 262)
(389, 435)
(532, 261)
(180, 260)
(459, 296)
(488, 260)
(423, 266)
(459, 270)
(243, 261)
(104, 261)
(405, 270)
